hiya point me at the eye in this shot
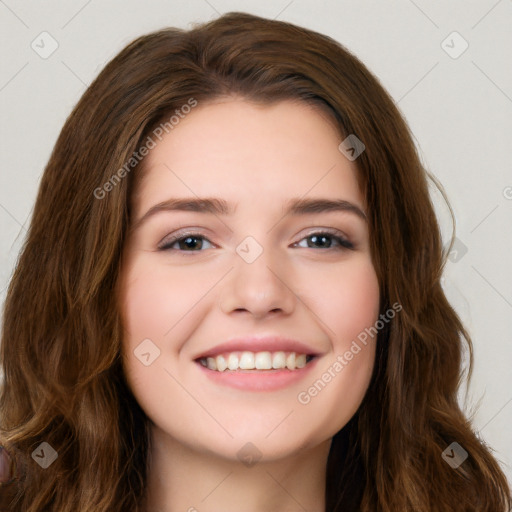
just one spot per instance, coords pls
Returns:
(324, 240)
(190, 242)
(194, 242)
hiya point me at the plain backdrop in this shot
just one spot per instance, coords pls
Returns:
(447, 64)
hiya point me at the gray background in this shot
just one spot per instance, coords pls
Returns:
(458, 105)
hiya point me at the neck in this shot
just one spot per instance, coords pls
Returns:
(182, 479)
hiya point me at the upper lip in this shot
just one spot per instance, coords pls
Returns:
(259, 344)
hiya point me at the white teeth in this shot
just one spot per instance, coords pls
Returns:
(279, 360)
(246, 361)
(300, 361)
(233, 361)
(256, 361)
(263, 361)
(221, 363)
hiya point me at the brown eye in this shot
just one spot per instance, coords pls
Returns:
(191, 242)
(326, 240)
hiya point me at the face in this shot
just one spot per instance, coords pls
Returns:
(271, 277)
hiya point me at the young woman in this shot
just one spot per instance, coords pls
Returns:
(229, 297)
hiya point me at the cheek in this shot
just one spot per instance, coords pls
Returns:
(156, 299)
(350, 306)
(358, 301)
(349, 301)
(163, 305)
(150, 306)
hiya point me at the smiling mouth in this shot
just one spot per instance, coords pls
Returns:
(253, 362)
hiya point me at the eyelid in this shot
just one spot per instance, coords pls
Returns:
(182, 233)
(330, 231)
(344, 241)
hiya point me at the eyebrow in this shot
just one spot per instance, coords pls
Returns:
(216, 206)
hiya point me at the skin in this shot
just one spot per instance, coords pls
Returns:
(188, 300)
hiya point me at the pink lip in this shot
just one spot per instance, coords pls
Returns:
(262, 344)
(259, 380)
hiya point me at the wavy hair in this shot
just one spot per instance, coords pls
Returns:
(61, 338)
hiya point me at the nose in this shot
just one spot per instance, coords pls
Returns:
(260, 288)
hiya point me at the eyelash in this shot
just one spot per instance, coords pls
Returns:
(344, 244)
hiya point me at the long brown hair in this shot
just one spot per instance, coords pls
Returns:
(60, 351)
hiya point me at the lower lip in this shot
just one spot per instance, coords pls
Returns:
(258, 380)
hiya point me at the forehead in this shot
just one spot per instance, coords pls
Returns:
(235, 148)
